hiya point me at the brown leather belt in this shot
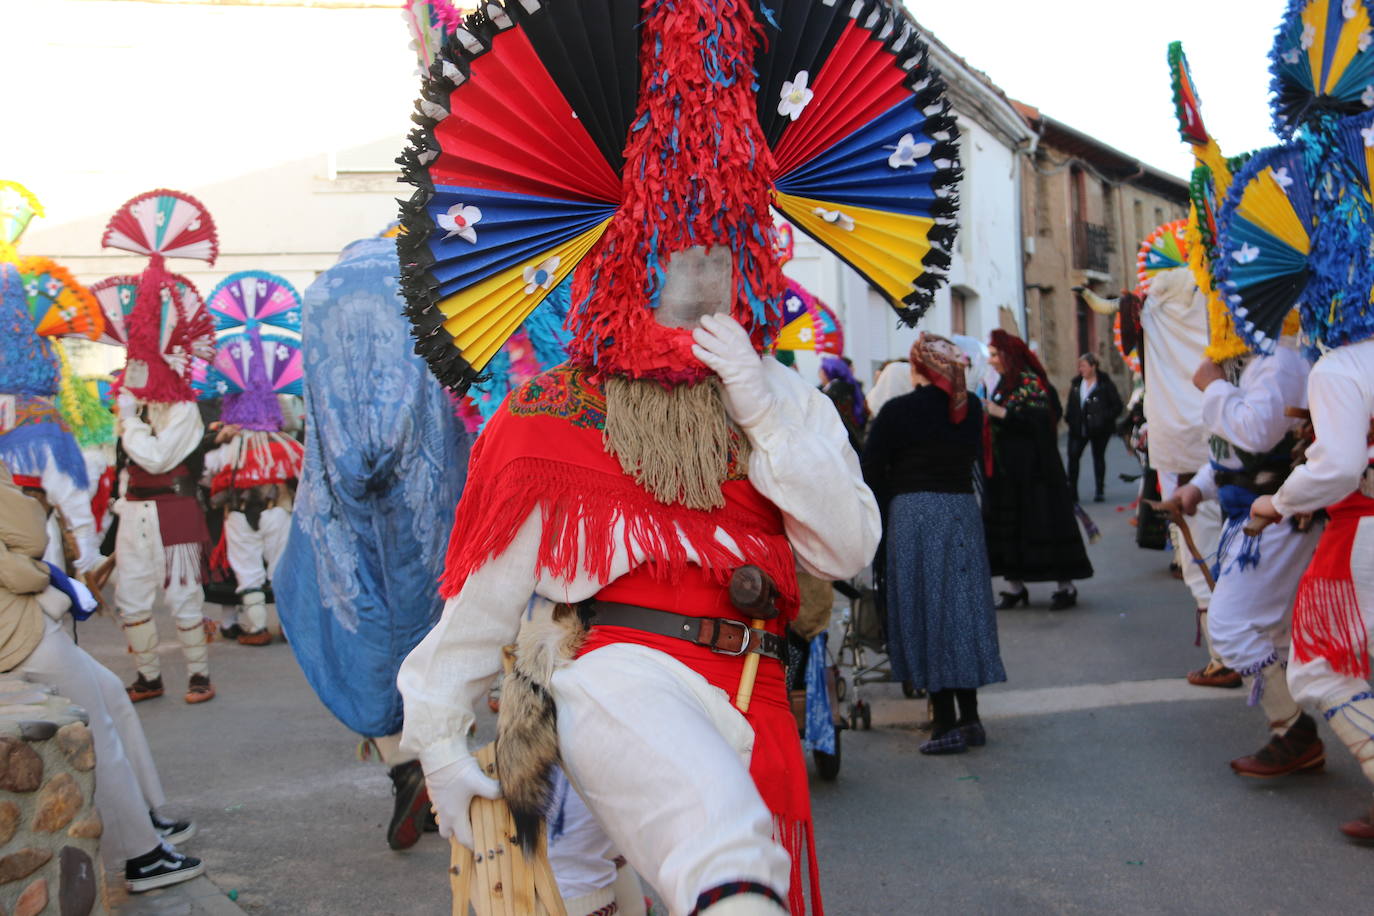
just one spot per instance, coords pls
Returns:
(719, 634)
(182, 486)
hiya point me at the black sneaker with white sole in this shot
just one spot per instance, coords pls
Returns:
(171, 831)
(162, 867)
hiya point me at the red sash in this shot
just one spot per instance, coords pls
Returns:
(1327, 620)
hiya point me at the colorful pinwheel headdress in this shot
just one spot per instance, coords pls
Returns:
(167, 326)
(1296, 227)
(257, 348)
(559, 134)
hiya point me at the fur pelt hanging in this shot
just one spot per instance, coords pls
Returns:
(527, 726)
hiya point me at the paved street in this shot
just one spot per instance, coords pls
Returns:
(1104, 787)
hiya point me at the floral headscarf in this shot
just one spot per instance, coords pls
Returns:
(943, 362)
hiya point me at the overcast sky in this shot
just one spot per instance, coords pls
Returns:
(1101, 66)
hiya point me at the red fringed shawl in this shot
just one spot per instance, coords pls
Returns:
(543, 450)
(1327, 619)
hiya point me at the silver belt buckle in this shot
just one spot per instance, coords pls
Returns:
(744, 642)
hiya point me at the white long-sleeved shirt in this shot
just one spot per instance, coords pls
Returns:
(1340, 393)
(172, 433)
(1251, 414)
(801, 461)
(75, 505)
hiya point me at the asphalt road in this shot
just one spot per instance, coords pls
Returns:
(1104, 787)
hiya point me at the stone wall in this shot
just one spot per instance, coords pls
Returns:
(49, 828)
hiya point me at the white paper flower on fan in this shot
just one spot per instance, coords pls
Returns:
(1367, 97)
(540, 276)
(1309, 36)
(1282, 178)
(1247, 254)
(795, 96)
(907, 151)
(1292, 56)
(836, 218)
(1366, 39)
(1368, 135)
(1348, 9)
(805, 335)
(460, 220)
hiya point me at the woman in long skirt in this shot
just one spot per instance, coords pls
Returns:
(919, 461)
(1032, 531)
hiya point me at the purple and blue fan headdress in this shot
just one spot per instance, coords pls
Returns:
(258, 348)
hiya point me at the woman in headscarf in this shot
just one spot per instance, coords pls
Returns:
(1032, 532)
(919, 461)
(840, 385)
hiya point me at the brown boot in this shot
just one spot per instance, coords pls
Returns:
(1298, 749)
(1215, 675)
(1362, 830)
(262, 637)
(200, 689)
(144, 689)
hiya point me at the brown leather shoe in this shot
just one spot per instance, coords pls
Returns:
(262, 637)
(1362, 830)
(1219, 676)
(200, 689)
(1298, 750)
(144, 689)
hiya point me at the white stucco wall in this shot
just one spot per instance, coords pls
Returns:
(282, 120)
(985, 265)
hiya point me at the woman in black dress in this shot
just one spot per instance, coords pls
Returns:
(919, 461)
(1094, 404)
(1032, 533)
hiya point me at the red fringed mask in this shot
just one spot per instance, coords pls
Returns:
(168, 327)
(697, 171)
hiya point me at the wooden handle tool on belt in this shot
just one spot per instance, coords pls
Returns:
(753, 594)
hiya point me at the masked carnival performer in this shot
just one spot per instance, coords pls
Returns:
(162, 544)
(41, 302)
(667, 460)
(1169, 314)
(385, 461)
(254, 470)
(1300, 220)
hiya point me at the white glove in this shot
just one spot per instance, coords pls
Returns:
(723, 345)
(128, 405)
(451, 790)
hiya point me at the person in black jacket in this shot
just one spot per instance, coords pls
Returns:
(1091, 413)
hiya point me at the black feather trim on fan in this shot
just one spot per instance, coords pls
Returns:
(450, 68)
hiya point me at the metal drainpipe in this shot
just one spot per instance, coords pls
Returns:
(1033, 145)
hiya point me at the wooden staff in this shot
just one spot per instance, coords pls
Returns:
(1171, 509)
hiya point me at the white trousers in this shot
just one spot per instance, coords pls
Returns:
(661, 758)
(1252, 609)
(142, 567)
(1315, 684)
(253, 555)
(126, 782)
(1205, 528)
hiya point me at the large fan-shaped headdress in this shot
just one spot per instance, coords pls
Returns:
(258, 348)
(1296, 226)
(553, 132)
(54, 304)
(18, 207)
(168, 325)
(808, 323)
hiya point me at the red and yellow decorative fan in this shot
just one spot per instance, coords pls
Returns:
(1164, 249)
(59, 305)
(527, 112)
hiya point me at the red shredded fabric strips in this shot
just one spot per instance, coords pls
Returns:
(1327, 619)
(697, 168)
